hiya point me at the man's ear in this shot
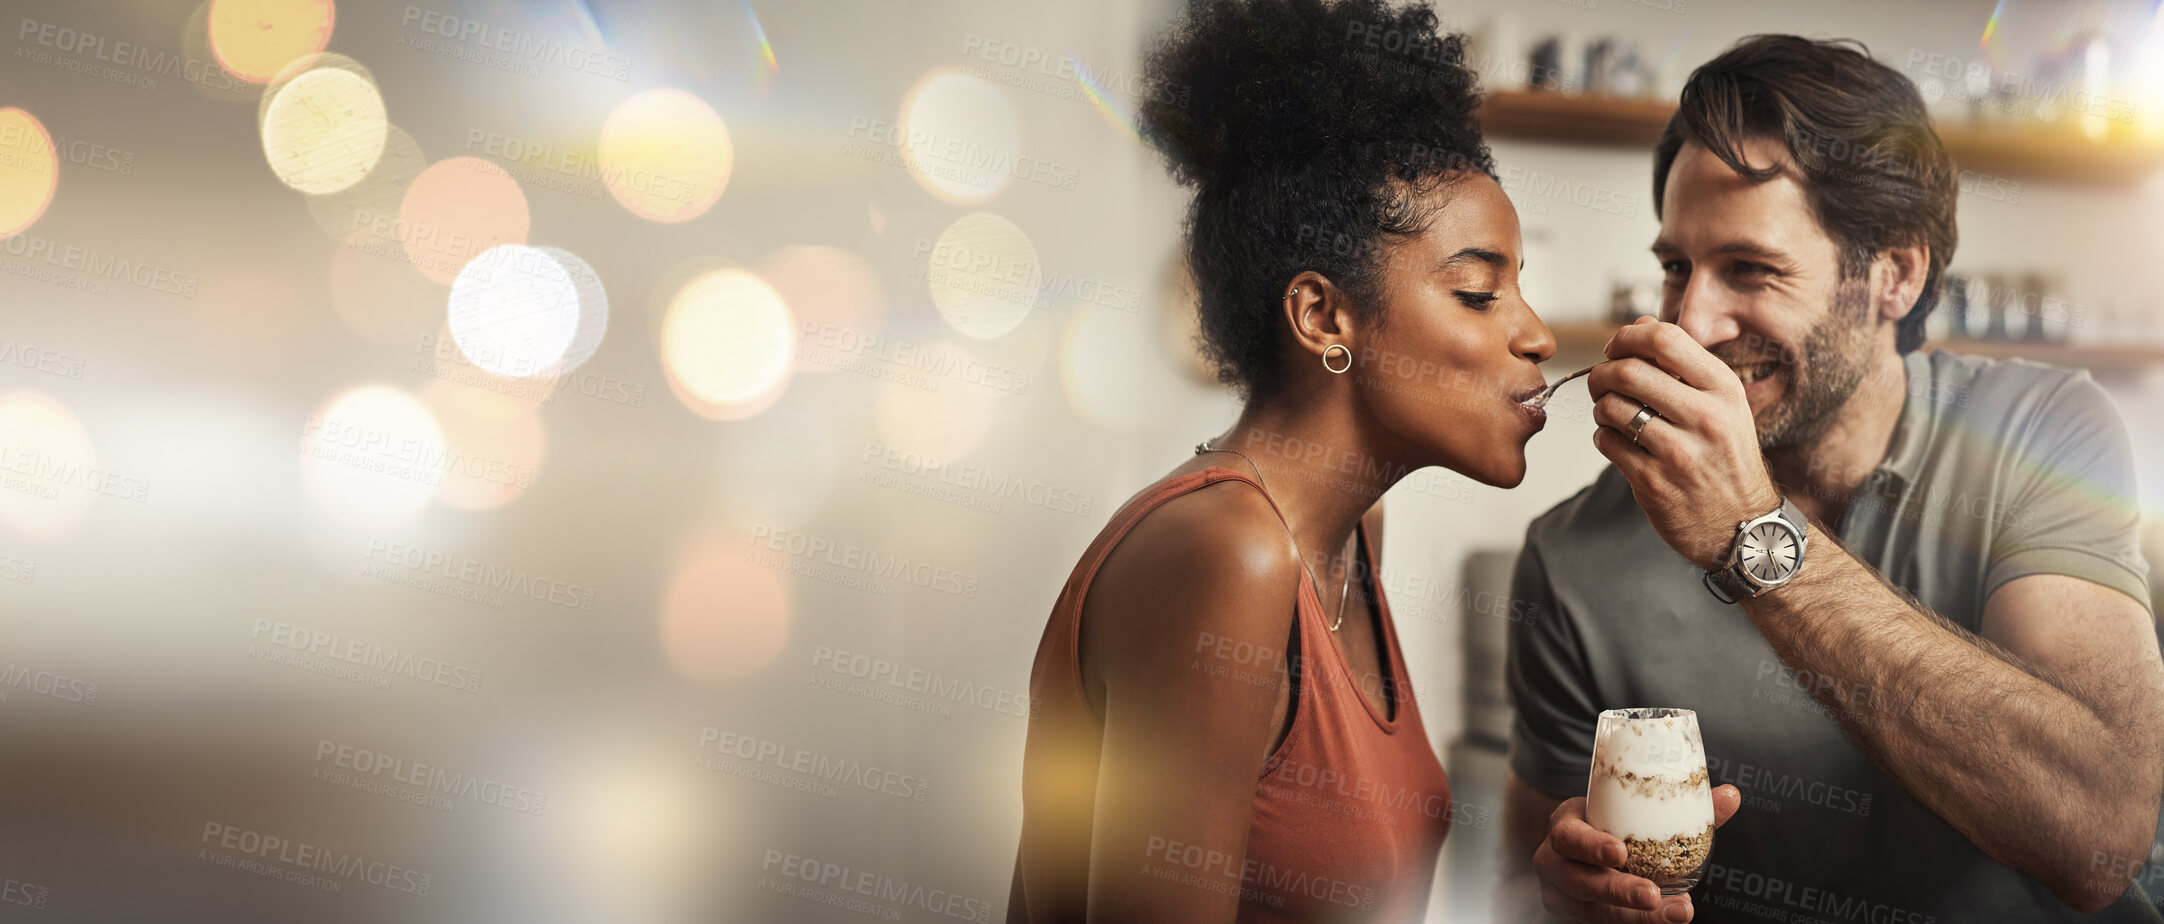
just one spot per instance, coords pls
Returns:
(1897, 279)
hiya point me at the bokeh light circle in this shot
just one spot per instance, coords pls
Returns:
(324, 130)
(514, 311)
(728, 338)
(496, 442)
(352, 214)
(1179, 316)
(455, 210)
(776, 469)
(593, 322)
(945, 418)
(723, 617)
(1114, 367)
(665, 155)
(372, 455)
(382, 299)
(833, 294)
(38, 435)
(958, 136)
(29, 170)
(253, 39)
(984, 275)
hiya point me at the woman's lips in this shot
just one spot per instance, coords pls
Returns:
(1522, 400)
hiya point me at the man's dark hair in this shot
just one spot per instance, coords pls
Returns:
(1308, 131)
(1873, 168)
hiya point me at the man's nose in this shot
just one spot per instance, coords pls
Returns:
(1706, 311)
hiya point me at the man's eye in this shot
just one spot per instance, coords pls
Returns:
(1475, 300)
(1676, 267)
(1748, 268)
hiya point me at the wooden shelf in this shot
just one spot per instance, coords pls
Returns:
(2097, 359)
(1609, 121)
(2043, 153)
(1580, 338)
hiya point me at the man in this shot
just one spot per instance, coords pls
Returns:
(1937, 694)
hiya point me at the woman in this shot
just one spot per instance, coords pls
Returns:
(1224, 732)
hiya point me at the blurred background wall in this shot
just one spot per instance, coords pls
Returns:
(598, 461)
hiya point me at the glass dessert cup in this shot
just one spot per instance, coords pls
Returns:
(1648, 786)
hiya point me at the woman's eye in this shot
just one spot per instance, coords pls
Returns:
(1475, 300)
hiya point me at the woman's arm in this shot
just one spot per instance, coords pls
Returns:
(1184, 646)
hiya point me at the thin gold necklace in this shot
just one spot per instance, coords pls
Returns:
(1343, 592)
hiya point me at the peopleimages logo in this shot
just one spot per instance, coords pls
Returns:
(512, 581)
(430, 777)
(811, 764)
(849, 556)
(874, 886)
(260, 846)
(518, 45)
(930, 684)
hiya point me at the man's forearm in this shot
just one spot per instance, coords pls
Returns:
(2017, 765)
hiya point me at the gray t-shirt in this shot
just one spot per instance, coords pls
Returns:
(1996, 470)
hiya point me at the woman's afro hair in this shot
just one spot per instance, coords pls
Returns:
(1308, 131)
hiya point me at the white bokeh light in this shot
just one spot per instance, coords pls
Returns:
(728, 339)
(958, 136)
(372, 456)
(514, 311)
(324, 130)
(983, 275)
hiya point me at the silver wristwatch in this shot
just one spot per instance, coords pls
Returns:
(1767, 553)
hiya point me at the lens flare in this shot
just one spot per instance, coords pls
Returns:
(372, 456)
(324, 130)
(252, 39)
(727, 340)
(29, 170)
(984, 275)
(665, 155)
(515, 310)
(41, 444)
(455, 210)
(958, 136)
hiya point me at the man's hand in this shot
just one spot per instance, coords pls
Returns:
(1578, 876)
(1696, 469)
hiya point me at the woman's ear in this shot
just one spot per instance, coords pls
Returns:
(1316, 312)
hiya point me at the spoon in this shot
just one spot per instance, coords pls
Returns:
(1541, 400)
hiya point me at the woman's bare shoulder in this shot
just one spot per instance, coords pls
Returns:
(1214, 562)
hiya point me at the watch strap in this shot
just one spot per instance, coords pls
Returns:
(1728, 584)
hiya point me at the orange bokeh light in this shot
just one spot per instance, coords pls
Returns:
(253, 39)
(456, 209)
(665, 155)
(29, 170)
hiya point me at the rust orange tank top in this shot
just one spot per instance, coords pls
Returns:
(1350, 810)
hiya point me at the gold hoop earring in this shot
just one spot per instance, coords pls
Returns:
(1326, 357)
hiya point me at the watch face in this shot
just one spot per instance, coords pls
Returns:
(1769, 553)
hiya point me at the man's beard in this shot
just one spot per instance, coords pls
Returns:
(1820, 381)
